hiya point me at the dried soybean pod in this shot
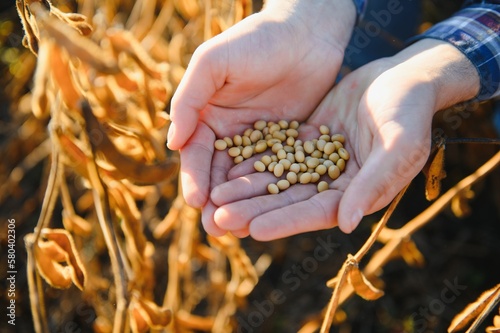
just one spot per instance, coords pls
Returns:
(341, 164)
(283, 184)
(338, 137)
(260, 125)
(343, 153)
(292, 177)
(228, 141)
(305, 178)
(322, 186)
(324, 129)
(273, 188)
(220, 144)
(278, 170)
(237, 140)
(259, 166)
(234, 151)
(334, 172)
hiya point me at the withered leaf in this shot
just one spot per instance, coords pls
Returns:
(474, 309)
(362, 286)
(434, 172)
(411, 254)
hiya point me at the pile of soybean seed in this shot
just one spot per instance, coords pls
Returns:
(300, 162)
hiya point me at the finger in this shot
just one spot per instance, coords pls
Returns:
(241, 233)
(196, 159)
(319, 212)
(387, 170)
(242, 188)
(207, 220)
(237, 215)
(204, 75)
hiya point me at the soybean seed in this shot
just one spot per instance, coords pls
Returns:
(321, 145)
(322, 186)
(283, 124)
(334, 157)
(290, 157)
(341, 164)
(329, 148)
(321, 169)
(299, 156)
(324, 129)
(278, 170)
(317, 154)
(281, 154)
(315, 177)
(228, 141)
(237, 141)
(305, 178)
(247, 152)
(271, 166)
(260, 125)
(309, 147)
(338, 137)
(273, 188)
(277, 147)
(291, 177)
(255, 136)
(294, 124)
(295, 167)
(246, 140)
(334, 172)
(344, 153)
(290, 141)
(289, 149)
(259, 166)
(325, 137)
(261, 146)
(286, 163)
(234, 151)
(338, 144)
(279, 135)
(266, 159)
(238, 159)
(312, 162)
(220, 144)
(283, 184)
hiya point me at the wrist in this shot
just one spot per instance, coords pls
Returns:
(452, 76)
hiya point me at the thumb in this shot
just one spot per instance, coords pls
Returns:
(204, 75)
(388, 169)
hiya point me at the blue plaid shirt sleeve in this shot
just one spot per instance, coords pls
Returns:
(360, 7)
(474, 30)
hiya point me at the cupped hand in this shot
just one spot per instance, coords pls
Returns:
(275, 64)
(385, 111)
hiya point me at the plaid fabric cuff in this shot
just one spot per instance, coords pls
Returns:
(360, 8)
(475, 32)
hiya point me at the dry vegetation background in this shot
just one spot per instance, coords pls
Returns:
(105, 243)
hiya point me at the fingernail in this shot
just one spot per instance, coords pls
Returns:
(171, 134)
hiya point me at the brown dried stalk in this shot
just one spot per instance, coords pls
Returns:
(344, 291)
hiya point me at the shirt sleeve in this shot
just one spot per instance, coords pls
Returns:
(474, 30)
(360, 8)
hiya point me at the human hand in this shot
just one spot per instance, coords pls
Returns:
(276, 63)
(385, 111)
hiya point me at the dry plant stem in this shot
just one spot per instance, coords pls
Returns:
(352, 260)
(35, 291)
(484, 313)
(384, 255)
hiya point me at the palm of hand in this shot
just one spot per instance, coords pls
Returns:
(378, 115)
